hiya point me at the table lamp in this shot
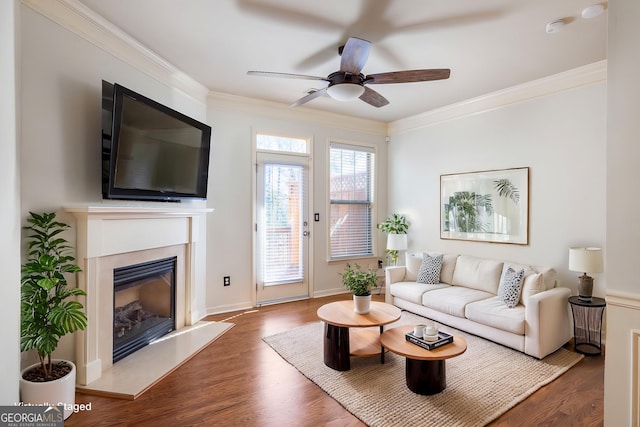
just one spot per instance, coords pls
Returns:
(585, 260)
(395, 243)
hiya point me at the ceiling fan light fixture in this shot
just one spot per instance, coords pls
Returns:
(593, 11)
(555, 26)
(345, 91)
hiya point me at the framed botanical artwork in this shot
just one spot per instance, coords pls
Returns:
(486, 206)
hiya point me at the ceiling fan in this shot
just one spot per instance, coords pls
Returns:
(349, 83)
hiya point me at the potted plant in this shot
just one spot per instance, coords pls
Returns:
(360, 283)
(48, 311)
(395, 224)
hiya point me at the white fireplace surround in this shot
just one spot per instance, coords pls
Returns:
(109, 237)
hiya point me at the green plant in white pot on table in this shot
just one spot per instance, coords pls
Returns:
(396, 226)
(49, 310)
(360, 282)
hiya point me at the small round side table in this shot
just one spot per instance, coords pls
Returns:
(587, 325)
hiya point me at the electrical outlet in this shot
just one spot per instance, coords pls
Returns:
(227, 280)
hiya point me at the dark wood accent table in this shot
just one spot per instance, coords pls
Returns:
(338, 317)
(425, 369)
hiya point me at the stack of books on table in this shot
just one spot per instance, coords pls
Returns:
(443, 339)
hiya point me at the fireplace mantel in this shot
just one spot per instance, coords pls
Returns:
(112, 236)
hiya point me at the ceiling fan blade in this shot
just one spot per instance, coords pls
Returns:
(285, 75)
(408, 76)
(313, 95)
(354, 55)
(372, 97)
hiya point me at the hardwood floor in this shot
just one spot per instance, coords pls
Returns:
(239, 381)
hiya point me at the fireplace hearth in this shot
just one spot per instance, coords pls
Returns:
(144, 304)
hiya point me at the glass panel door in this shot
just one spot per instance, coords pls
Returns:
(282, 228)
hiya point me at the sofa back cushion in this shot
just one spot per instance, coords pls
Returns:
(448, 267)
(531, 285)
(536, 279)
(477, 273)
(412, 265)
(414, 259)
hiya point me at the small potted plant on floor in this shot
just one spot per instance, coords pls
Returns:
(360, 283)
(49, 311)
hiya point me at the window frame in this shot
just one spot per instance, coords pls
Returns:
(363, 147)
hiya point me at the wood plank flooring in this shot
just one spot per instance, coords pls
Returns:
(239, 381)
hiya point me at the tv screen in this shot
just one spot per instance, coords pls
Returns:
(150, 151)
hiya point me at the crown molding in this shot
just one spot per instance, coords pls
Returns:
(87, 24)
(571, 79)
(304, 114)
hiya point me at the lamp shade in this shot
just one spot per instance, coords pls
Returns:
(397, 242)
(345, 91)
(585, 260)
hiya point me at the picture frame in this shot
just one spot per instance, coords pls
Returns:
(486, 206)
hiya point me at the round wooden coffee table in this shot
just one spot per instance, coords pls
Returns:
(425, 369)
(339, 316)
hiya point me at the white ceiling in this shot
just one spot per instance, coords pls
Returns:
(488, 45)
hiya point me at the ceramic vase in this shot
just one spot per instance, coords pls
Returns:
(57, 392)
(361, 303)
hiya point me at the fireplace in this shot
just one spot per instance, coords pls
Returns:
(143, 304)
(113, 237)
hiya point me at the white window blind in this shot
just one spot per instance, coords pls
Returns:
(351, 180)
(282, 251)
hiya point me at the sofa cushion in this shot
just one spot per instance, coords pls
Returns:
(412, 291)
(412, 265)
(430, 269)
(493, 312)
(510, 286)
(453, 299)
(477, 273)
(531, 285)
(549, 276)
(448, 267)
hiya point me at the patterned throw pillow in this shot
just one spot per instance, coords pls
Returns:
(430, 269)
(510, 286)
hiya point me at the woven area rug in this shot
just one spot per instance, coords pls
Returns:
(482, 384)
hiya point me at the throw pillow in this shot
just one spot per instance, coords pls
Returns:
(429, 272)
(510, 286)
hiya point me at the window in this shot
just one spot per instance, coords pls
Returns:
(351, 174)
(281, 143)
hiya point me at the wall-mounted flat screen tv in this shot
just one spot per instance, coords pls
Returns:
(150, 151)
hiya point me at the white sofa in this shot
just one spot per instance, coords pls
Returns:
(467, 299)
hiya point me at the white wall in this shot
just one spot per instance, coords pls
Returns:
(60, 108)
(64, 61)
(561, 137)
(231, 187)
(622, 389)
(10, 214)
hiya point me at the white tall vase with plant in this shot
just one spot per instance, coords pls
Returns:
(49, 310)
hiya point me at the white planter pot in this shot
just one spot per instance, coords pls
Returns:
(58, 392)
(361, 304)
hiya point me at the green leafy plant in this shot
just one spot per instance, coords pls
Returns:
(394, 224)
(48, 307)
(358, 281)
